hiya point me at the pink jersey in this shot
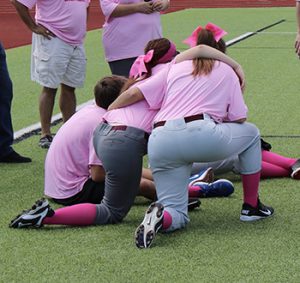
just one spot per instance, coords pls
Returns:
(218, 94)
(65, 18)
(139, 115)
(67, 165)
(126, 37)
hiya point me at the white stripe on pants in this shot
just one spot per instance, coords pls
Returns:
(175, 146)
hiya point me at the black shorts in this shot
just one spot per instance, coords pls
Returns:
(91, 192)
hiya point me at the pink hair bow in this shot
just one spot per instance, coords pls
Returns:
(217, 32)
(139, 67)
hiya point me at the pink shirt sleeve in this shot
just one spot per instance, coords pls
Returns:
(93, 158)
(107, 7)
(237, 108)
(154, 88)
(28, 3)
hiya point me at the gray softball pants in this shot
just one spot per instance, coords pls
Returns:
(175, 146)
(121, 152)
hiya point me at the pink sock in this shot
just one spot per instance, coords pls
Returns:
(194, 191)
(271, 170)
(250, 188)
(83, 214)
(167, 220)
(277, 159)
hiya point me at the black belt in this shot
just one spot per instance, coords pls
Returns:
(186, 119)
(124, 128)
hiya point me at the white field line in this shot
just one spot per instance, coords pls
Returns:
(37, 126)
(239, 38)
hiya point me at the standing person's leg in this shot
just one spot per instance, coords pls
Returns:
(121, 150)
(47, 72)
(7, 154)
(46, 104)
(67, 101)
(121, 67)
(73, 78)
(6, 95)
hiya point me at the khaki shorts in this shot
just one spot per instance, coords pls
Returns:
(54, 62)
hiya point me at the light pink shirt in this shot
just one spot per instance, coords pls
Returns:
(68, 161)
(65, 18)
(139, 115)
(217, 94)
(126, 37)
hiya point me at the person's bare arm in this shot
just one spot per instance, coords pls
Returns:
(204, 51)
(24, 14)
(97, 173)
(128, 97)
(147, 174)
(297, 41)
(127, 9)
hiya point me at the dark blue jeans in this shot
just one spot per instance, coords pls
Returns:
(6, 95)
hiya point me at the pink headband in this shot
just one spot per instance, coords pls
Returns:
(169, 55)
(138, 67)
(217, 32)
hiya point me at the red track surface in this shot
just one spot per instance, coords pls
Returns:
(14, 33)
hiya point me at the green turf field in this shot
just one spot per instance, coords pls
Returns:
(216, 246)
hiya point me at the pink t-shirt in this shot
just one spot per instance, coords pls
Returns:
(217, 94)
(65, 18)
(67, 165)
(126, 37)
(139, 115)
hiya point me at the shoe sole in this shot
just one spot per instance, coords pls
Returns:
(207, 178)
(146, 231)
(246, 218)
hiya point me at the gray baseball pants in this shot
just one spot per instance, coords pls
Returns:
(121, 150)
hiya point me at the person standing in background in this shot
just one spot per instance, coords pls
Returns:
(128, 27)
(58, 55)
(7, 153)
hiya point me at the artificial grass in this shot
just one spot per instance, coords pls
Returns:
(215, 246)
